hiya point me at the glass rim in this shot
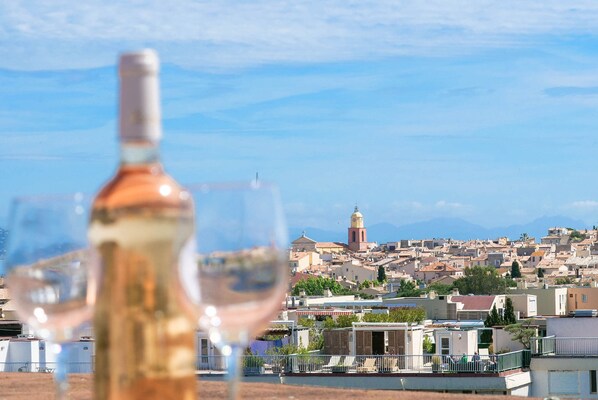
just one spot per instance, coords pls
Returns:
(78, 196)
(229, 185)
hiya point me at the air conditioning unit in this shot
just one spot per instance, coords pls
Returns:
(26, 336)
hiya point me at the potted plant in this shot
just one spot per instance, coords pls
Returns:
(280, 357)
(253, 364)
(436, 363)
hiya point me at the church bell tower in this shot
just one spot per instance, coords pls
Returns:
(357, 240)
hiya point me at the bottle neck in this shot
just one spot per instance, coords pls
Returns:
(139, 154)
(139, 105)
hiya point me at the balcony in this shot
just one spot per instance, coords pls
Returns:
(388, 364)
(502, 374)
(564, 347)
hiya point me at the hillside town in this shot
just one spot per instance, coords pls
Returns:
(533, 300)
(563, 256)
(513, 317)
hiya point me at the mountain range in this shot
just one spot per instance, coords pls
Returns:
(453, 228)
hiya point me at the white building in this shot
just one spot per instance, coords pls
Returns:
(30, 354)
(565, 362)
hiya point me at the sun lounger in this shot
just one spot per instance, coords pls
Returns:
(347, 365)
(333, 362)
(368, 366)
(388, 364)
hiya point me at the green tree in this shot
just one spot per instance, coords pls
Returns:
(307, 322)
(316, 340)
(515, 270)
(371, 317)
(407, 314)
(330, 323)
(408, 289)
(342, 321)
(493, 318)
(317, 285)
(509, 315)
(427, 345)
(440, 288)
(381, 274)
(524, 237)
(365, 284)
(564, 281)
(522, 334)
(285, 349)
(481, 280)
(576, 236)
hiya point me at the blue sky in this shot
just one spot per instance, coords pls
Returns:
(410, 109)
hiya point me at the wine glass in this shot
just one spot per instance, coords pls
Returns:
(50, 271)
(239, 276)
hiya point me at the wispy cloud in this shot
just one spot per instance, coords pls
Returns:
(447, 205)
(584, 204)
(237, 34)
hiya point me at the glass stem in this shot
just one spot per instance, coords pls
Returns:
(234, 371)
(61, 383)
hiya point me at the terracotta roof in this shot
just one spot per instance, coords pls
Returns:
(299, 276)
(303, 238)
(438, 267)
(475, 303)
(329, 244)
(446, 279)
(298, 255)
(539, 253)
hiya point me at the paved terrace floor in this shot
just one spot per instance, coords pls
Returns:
(38, 386)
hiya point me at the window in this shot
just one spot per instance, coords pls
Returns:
(204, 351)
(353, 236)
(445, 346)
(584, 298)
(593, 383)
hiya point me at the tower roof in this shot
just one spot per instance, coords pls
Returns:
(356, 219)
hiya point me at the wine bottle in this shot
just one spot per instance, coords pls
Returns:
(141, 223)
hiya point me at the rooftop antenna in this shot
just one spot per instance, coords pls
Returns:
(256, 177)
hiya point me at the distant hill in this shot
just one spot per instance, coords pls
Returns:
(454, 228)
(320, 235)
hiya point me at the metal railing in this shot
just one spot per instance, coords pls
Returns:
(48, 367)
(513, 360)
(567, 346)
(370, 364)
(324, 364)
